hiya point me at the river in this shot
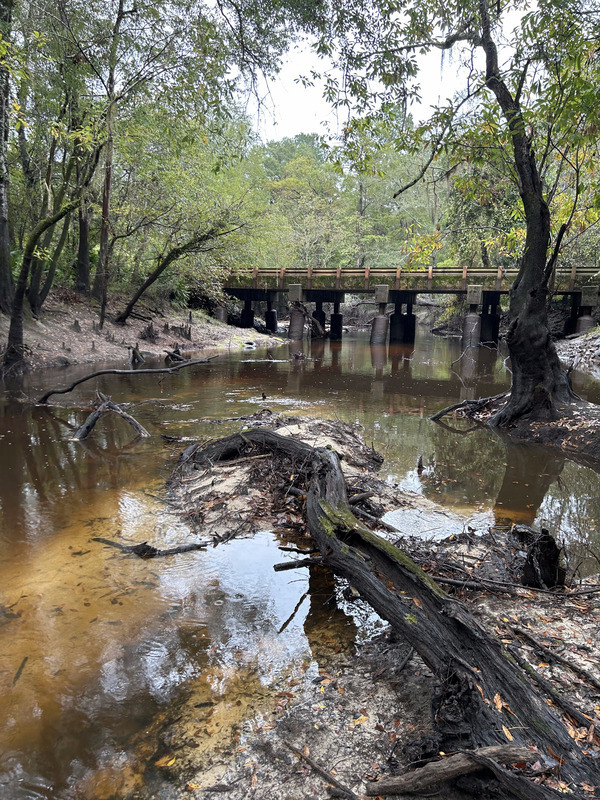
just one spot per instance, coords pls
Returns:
(96, 646)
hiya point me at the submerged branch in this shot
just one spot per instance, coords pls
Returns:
(44, 397)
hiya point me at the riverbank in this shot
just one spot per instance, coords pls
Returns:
(67, 333)
(360, 709)
(581, 353)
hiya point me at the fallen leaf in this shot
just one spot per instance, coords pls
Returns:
(165, 761)
(508, 734)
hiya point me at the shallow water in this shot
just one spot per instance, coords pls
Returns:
(95, 646)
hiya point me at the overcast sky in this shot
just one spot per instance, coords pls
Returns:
(289, 108)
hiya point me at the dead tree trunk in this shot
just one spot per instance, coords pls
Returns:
(484, 698)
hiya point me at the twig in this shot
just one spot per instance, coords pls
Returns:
(579, 592)
(380, 522)
(145, 550)
(322, 772)
(474, 584)
(584, 673)
(357, 498)
(547, 687)
(293, 614)
(20, 670)
(473, 405)
(301, 562)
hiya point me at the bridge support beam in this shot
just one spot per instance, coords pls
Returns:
(271, 317)
(335, 323)
(319, 314)
(403, 325)
(247, 315)
(296, 329)
(589, 301)
(381, 323)
(490, 319)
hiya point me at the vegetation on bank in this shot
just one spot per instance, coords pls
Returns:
(127, 164)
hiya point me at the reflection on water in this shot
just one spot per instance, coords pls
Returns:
(94, 644)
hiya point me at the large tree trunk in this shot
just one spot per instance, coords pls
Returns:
(14, 357)
(82, 270)
(164, 261)
(483, 697)
(6, 279)
(539, 383)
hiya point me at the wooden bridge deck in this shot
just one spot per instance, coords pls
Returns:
(441, 279)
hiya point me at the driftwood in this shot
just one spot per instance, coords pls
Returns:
(107, 405)
(145, 550)
(470, 405)
(448, 768)
(135, 357)
(48, 394)
(484, 698)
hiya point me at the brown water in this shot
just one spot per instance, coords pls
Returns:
(95, 646)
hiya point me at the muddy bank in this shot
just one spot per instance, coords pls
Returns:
(67, 333)
(361, 708)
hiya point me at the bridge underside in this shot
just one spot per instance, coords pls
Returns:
(481, 322)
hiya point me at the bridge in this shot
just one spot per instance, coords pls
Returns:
(401, 286)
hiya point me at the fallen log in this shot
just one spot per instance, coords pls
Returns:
(448, 768)
(107, 405)
(50, 392)
(484, 698)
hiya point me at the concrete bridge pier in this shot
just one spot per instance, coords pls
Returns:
(380, 325)
(490, 319)
(220, 313)
(335, 323)
(589, 301)
(247, 315)
(271, 317)
(471, 333)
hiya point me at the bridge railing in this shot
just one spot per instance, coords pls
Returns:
(426, 278)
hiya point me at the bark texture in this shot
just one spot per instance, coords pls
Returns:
(6, 279)
(539, 383)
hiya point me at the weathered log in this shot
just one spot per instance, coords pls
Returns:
(448, 768)
(145, 550)
(135, 357)
(107, 405)
(88, 426)
(484, 698)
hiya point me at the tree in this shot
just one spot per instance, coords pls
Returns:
(541, 99)
(6, 281)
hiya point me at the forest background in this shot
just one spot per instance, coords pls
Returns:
(127, 158)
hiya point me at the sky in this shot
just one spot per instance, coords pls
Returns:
(290, 108)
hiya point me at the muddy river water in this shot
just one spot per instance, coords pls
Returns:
(95, 645)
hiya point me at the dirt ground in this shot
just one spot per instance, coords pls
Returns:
(67, 333)
(366, 714)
